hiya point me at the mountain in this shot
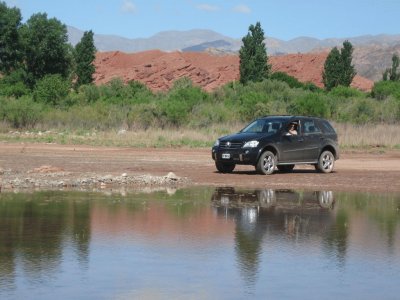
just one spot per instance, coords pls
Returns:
(165, 41)
(372, 54)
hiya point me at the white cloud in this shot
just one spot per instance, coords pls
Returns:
(207, 7)
(243, 9)
(128, 7)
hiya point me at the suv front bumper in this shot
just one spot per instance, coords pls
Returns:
(244, 156)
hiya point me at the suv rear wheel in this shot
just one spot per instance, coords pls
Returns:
(326, 162)
(224, 167)
(266, 163)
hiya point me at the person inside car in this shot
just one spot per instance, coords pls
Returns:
(292, 129)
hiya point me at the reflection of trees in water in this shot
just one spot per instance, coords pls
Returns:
(337, 238)
(270, 214)
(248, 238)
(81, 229)
(33, 229)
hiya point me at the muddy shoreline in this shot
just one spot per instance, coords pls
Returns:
(51, 166)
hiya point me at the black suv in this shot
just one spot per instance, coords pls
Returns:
(279, 141)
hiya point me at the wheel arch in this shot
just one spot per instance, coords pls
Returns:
(330, 148)
(268, 148)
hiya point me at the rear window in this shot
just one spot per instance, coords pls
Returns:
(326, 127)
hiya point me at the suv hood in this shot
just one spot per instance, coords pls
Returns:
(241, 137)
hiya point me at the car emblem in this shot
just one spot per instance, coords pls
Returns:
(228, 144)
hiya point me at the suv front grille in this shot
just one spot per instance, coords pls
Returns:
(230, 145)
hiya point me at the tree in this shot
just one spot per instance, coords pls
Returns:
(85, 53)
(348, 70)
(10, 47)
(253, 56)
(332, 69)
(391, 74)
(46, 47)
(338, 69)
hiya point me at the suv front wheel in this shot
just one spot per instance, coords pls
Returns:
(326, 162)
(224, 167)
(266, 163)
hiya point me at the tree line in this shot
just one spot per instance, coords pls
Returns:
(38, 48)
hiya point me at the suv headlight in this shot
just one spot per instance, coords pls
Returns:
(251, 144)
(216, 144)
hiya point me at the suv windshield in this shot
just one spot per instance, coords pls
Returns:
(263, 126)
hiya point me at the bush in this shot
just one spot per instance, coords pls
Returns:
(21, 113)
(358, 111)
(211, 113)
(252, 105)
(290, 80)
(89, 92)
(113, 91)
(346, 92)
(383, 89)
(13, 85)
(177, 107)
(51, 89)
(310, 105)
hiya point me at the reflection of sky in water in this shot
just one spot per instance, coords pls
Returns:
(262, 244)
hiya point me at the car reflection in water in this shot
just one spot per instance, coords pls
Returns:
(275, 216)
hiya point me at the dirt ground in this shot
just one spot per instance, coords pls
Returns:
(355, 171)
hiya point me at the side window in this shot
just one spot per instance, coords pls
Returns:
(272, 127)
(310, 126)
(327, 127)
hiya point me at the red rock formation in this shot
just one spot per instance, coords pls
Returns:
(158, 70)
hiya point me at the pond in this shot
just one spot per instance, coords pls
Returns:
(199, 243)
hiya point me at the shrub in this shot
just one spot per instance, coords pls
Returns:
(357, 111)
(51, 89)
(310, 105)
(210, 113)
(290, 80)
(21, 113)
(383, 89)
(346, 92)
(89, 92)
(179, 102)
(113, 90)
(252, 105)
(14, 84)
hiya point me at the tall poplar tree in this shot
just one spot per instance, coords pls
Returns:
(85, 54)
(338, 69)
(332, 69)
(392, 74)
(348, 70)
(253, 56)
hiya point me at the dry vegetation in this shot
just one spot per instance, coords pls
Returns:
(350, 136)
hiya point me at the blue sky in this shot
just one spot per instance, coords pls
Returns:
(283, 19)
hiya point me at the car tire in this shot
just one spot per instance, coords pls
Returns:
(224, 167)
(326, 162)
(266, 163)
(286, 168)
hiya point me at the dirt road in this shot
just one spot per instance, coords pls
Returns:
(355, 171)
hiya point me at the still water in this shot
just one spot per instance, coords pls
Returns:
(201, 243)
